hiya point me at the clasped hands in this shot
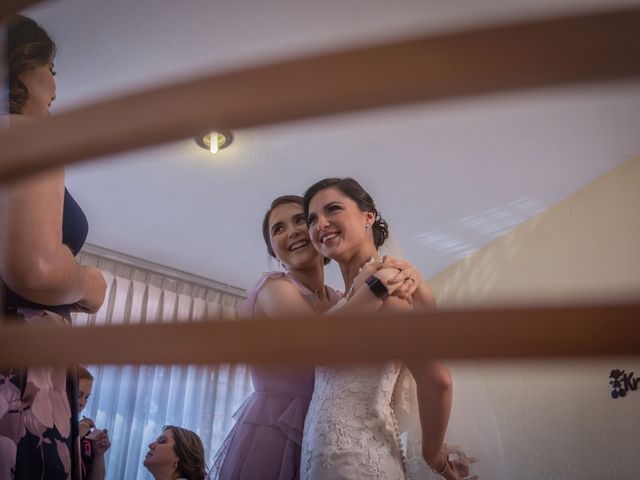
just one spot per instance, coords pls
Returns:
(402, 285)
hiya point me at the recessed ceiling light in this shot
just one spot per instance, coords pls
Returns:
(221, 140)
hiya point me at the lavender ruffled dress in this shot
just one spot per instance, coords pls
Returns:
(266, 439)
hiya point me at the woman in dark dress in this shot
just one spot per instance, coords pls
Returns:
(43, 228)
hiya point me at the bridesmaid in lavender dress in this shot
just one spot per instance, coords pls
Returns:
(265, 441)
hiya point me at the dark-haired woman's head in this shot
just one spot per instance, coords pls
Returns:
(341, 214)
(29, 66)
(285, 232)
(176, 453)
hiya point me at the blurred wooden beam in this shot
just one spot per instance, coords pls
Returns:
(8, 8)
(564, 51)
(483, 334)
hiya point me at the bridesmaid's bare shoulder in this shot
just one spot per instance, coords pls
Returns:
(15, 120)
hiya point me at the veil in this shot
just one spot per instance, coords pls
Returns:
(472, 424)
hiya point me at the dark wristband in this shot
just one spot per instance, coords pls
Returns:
(377, 287)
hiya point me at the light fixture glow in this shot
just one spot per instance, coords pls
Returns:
(214, 141)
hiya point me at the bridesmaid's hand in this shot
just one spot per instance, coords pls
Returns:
(406, 281)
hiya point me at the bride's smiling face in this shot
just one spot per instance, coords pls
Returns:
(337, 226)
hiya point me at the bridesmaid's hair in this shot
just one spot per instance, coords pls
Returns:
(29, 46)
(296, 199)
(352, 189)
(188, 447)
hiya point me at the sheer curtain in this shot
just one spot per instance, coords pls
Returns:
(134, 402)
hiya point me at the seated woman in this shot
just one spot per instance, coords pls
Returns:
(177, 454)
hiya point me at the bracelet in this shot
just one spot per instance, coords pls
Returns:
(377, 287)
(444, 467)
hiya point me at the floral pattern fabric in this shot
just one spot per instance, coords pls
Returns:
(36, 416)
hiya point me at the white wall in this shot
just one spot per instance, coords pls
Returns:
(557, 419)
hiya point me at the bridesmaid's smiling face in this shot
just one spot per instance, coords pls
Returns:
(289, 236)
(337, 225)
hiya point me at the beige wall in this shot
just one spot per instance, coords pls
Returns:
(557, 419)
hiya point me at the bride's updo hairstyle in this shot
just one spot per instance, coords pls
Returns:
(352, 189)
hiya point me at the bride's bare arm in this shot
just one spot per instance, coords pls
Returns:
(433, 382)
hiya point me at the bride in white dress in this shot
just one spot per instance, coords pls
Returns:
(350, 430)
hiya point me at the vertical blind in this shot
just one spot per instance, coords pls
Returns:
(134, 402)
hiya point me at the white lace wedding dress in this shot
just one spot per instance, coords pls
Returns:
(350, 431)
(359, 413)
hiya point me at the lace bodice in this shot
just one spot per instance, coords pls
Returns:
(350, 430)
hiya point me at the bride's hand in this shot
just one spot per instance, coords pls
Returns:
(460, 463)
(406, 281)
(456, 468)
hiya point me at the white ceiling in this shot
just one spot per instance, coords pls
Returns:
(448, 176)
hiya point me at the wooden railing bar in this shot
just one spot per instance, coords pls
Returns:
(482, 334)
(587, 48)
(8, 8)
